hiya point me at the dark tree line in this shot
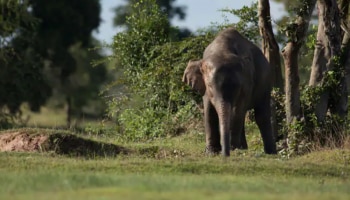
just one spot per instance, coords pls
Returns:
(44, 46)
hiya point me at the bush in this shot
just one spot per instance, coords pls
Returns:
(141, 124)
(308, 133)
(155, 102)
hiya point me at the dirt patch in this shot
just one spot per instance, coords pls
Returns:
(18, 141)
(60, 143)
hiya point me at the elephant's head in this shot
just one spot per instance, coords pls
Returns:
(220, 80)
(193, 76)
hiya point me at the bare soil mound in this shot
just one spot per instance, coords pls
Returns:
(17, 141)
(60, 143)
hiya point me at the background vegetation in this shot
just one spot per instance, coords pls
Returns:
(61, 68)
(156, 104)
(54, 75)
(45, 57)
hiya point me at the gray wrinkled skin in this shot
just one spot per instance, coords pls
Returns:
(233, 76)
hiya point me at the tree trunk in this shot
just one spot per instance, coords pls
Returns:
(344, 13)
(319, 65)
(346, 55)
(271, 51)
(269, 44)
(69, 111)
(345, 48)
(290, 55)
(328, 48)
(321, 54)
(296, 33)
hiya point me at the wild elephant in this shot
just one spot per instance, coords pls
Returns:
(233, 76)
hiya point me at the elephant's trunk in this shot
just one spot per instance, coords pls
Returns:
(224, 113)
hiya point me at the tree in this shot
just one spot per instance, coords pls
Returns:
(321, 110)
(64, 24)
(271, 51)
(21, 77)
(166, 6)
(84, 84)
(269, 44)
(155, 103)
(306, 51)
(344, 14)
(328, 50)
(248, 21)
(296, 33)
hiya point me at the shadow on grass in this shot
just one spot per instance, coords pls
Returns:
(72, 145)
(57, 141)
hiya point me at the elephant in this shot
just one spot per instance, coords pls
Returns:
(233, 77)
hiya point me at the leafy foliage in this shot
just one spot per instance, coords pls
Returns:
(63, 40)
(13, 17)
(304, 135)
(153, 68)
(248, 23)
(84, 84)
(285, 31)
(21, 78)
(133, 48)
(43, 49)
(167, 7)
(158, 102)
(58, 32)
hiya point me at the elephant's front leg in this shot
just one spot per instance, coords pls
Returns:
(238, 139)
(211, 122)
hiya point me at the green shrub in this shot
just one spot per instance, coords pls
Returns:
(167, 103)
(308, 133)
(141, 124)
(155, 102)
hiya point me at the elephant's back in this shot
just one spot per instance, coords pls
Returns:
(229, 40)
(256, 70)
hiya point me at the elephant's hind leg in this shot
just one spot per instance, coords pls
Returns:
(243, 144)
(238, 139)
(263, 120)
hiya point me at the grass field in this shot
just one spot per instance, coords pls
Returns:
(175, 168)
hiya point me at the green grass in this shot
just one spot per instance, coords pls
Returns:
(57, 118)
(175, 168)
(46, 117)
(43, 176)
(151, 186)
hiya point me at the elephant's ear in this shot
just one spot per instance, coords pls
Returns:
(193, 76)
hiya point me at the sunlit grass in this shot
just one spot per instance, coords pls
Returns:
(131, 186)
(172, 168)
(175, 168)
(46, 117)
(57, 119)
